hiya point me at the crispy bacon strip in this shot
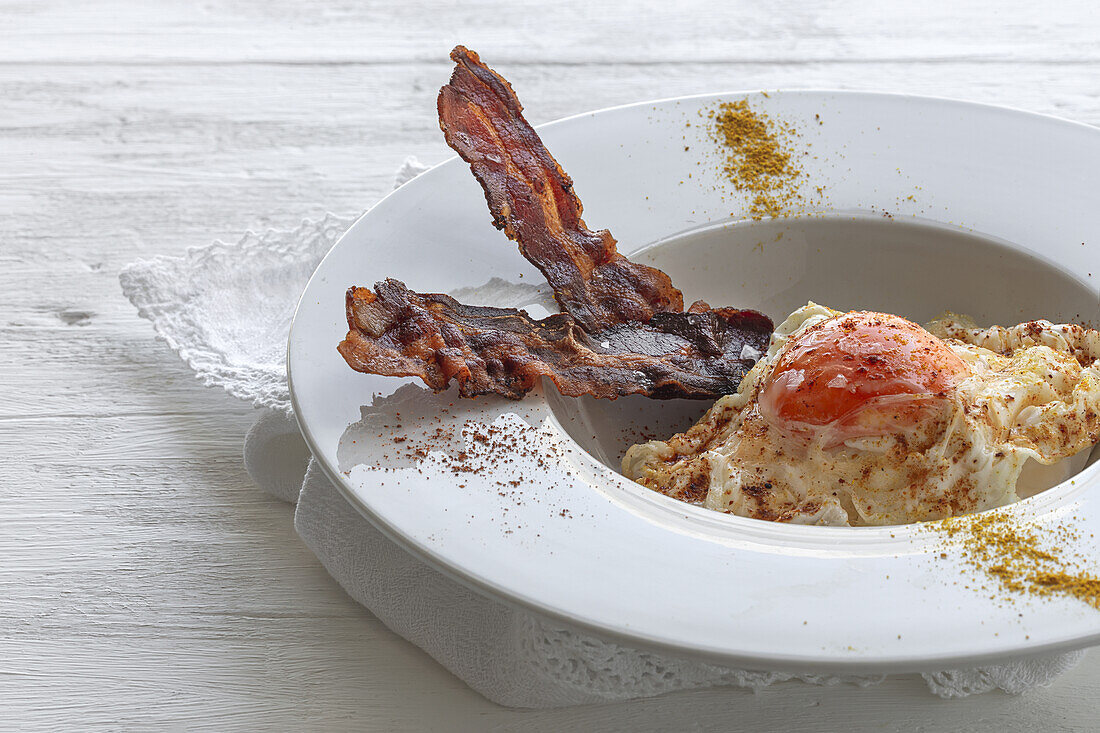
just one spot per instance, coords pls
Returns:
(531, 198)
(396, 332)
(623, 331)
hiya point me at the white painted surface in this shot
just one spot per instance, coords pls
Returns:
(144, 583)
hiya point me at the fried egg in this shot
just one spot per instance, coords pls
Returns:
(866, 418)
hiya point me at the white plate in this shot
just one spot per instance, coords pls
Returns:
(994, 214)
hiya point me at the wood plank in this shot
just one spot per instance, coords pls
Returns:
(567, 32)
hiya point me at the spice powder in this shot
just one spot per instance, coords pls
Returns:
(757, 158)
(1013, 552)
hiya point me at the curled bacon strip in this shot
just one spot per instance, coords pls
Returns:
(623, 330)
(396, 332)
(531, 198)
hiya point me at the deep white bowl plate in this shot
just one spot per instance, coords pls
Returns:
(928, 205)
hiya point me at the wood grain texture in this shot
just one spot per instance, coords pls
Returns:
(145, 583)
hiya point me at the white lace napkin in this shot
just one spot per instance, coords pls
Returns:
(226, 310)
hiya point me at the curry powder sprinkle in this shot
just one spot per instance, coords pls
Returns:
(757, 159)
(1013, 553)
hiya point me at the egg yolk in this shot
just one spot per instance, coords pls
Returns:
(857, 375)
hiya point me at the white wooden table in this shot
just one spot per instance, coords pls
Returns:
(144, 582)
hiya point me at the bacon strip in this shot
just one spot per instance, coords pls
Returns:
(623, 330)
(531, 198)
(396, 332)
